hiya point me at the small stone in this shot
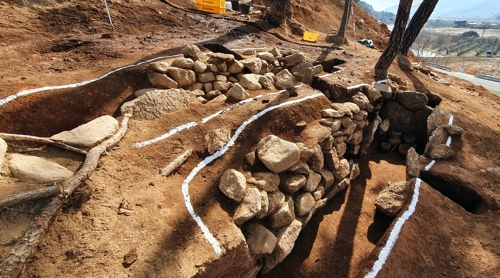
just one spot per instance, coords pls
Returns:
(233, 184)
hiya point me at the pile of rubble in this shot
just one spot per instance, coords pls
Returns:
(217, 76)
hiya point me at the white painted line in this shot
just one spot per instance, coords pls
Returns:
(75, 85)
(173, 131)
(429, 165)
(386, 251)
(185, 184)
(357, 86)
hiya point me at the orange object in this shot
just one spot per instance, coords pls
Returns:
(209, 9)
(212, 3)
(310, 36)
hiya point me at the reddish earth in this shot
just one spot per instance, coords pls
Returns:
(453, 231)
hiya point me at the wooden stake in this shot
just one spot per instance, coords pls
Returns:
(176, 163)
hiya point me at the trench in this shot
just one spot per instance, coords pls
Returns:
(456, 190)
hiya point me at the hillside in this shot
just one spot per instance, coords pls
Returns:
(64, 65)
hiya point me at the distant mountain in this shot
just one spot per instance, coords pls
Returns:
(386, 17)
(453, 9)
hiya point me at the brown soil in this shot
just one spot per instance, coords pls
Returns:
(63, 42)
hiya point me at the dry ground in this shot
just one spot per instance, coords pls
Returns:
(72, 42)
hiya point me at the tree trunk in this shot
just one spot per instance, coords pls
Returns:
(417, 22)
(390, 52)
(345, 19)
(278, 12)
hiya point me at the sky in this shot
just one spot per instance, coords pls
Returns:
(380, 5)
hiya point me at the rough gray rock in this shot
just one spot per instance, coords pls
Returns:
(276, 199)
(160, 67)
(3, 151)
(384, 90)
(312, 181)
(249, 206)
(327, 178)
(254, 65)
(264, 205)
(291, 183)
(260, 240)
(277, 154)
(183, 77)
(412, 100)
(412, 164)
(237, 92)
(217, 138)
(304, 203)
(343, 170)
(317, 160)
(154, 104)
(283, 80)
(183, 63)
(332, 160)
(294, 59)
(361, 100)
(330, 113)
(37, 170)
(89, 134)
(392, 198)
(199, 66)
(441, 151)
(250, 82)
(271, 181)
(235, 67)
(162, 81)
(284, 215)
(233, 184)
(206, 77)
(141, 92)
(286, 240)
(192, 51)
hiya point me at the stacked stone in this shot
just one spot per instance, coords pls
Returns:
(216, 76)
(274, 205)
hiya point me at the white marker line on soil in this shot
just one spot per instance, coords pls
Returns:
(185, 184)
(173, 131)
(74, 85)
(180, 128)
(386, 250)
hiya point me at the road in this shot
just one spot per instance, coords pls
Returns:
(493, 86)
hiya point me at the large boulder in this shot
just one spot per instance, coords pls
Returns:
(277, 154)
(89, 134)
(233, 184)
(37, 170)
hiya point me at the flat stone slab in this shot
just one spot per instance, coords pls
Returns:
(89, 134)
(37, 170)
